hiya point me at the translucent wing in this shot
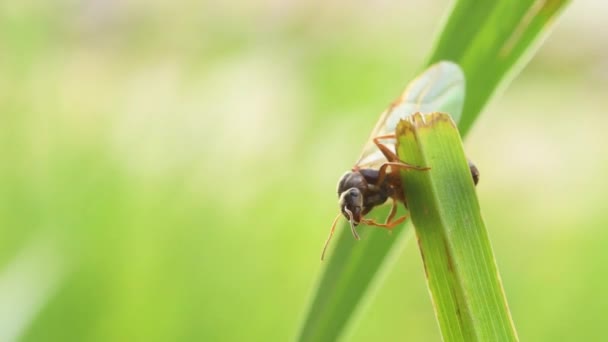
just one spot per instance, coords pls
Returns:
(441, 88)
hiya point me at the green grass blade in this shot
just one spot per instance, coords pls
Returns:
(343, 284)
(461, 272)
(490, 40)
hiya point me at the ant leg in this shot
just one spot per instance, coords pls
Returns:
(392, 213)
(389, 223)
(388, 226)
(396, 165)
(390, 155)
(392, 158)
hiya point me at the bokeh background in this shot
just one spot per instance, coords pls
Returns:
(168, 169)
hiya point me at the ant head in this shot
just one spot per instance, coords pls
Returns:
(350, 193)
(351, 205)
(351, 202)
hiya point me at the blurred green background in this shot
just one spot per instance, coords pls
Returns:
(168, 169)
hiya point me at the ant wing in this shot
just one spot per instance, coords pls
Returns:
(441, 88)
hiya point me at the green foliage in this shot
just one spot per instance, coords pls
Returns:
(440, 87)
(492, 41)
(342, 283)
(171, 180)
(489, 39)
(459, 264)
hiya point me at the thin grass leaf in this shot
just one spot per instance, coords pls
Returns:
(492, 41)
(462, 276)
(341, 288)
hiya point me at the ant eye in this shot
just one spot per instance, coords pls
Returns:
(354, 194)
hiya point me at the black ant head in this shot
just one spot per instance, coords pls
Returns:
(351, 196)
(351, 204)
(350, 192)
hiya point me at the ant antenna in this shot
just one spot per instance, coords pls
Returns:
(331, 233)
